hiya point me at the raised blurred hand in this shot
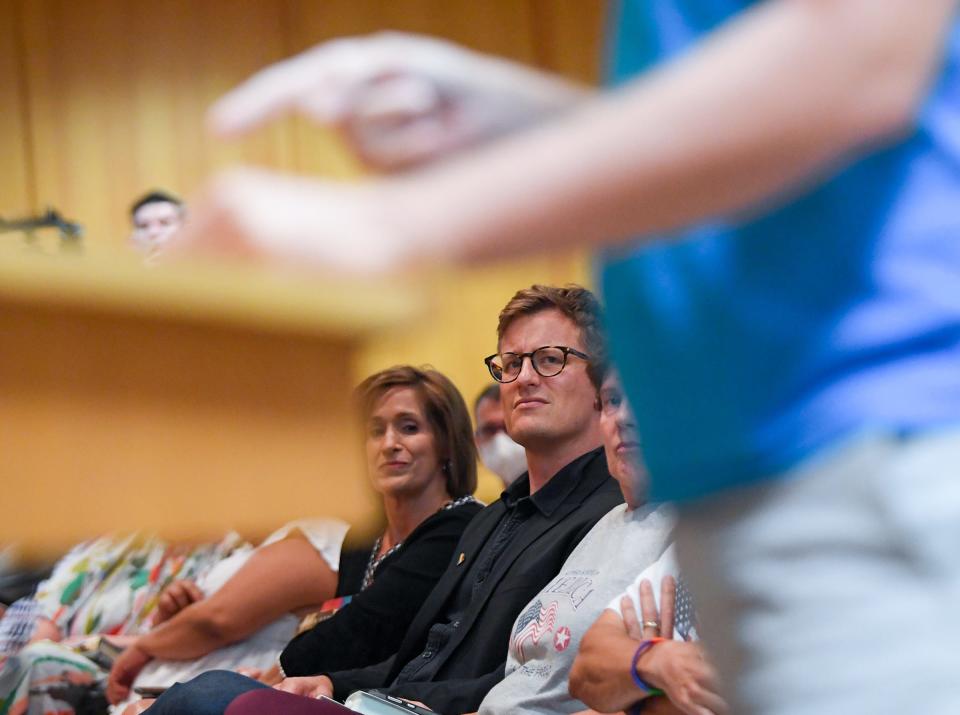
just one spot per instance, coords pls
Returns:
(399, 100)
(255, 213)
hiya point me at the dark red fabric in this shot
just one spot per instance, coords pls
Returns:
(277, 702)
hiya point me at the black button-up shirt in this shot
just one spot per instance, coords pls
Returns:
(520, 508)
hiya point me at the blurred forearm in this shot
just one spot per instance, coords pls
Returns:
(781, 93)
(192, 633)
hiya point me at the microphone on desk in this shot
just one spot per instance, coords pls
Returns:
(69, 230)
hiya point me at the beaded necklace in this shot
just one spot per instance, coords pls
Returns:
(374, 563)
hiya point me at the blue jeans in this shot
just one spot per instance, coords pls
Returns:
(208, 694)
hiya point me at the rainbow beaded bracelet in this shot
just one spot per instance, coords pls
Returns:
(644, 646)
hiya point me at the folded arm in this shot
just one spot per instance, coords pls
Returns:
(779, 95)
(603, 672)
(280, 578)
(277, 579)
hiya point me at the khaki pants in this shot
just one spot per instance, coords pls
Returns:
(836, 587)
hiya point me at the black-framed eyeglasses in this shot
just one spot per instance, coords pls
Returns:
(547, 362)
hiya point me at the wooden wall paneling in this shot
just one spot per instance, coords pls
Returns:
(118, 91)
(498, 26)
(113, 422)
(118, 96)
(16, 197)
(568, 37)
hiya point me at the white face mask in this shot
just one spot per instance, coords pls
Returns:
(504, 457)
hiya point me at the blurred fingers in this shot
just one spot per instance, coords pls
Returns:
(166, 605)
(705, 702)
(668, 598)
(631, 621)
(116, 693)
(648, 610)
(322, 82)
(181, 593)
(214, 224)
(193, 591)
(397, 145)
(271, 93)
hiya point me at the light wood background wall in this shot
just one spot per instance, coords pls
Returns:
(101, 100)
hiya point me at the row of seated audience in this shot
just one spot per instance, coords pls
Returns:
(561, 595)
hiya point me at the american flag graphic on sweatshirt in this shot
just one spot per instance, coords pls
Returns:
(532, 624)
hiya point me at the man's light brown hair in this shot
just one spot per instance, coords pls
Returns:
(573, 301)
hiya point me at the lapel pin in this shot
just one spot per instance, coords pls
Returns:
(461, 559)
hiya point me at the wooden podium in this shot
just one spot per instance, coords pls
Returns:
(183, 400)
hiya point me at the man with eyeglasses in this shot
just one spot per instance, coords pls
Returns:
(455, 651)
(627, 541)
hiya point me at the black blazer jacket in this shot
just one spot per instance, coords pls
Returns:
(372, 626)
(474, 660)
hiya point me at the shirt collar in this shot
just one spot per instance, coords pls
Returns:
(552, 494)
(518, 489)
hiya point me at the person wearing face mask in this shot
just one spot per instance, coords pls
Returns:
(498, 452)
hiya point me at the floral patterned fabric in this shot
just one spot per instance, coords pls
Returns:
(110, 586)
(106, 586)
(49, 678)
